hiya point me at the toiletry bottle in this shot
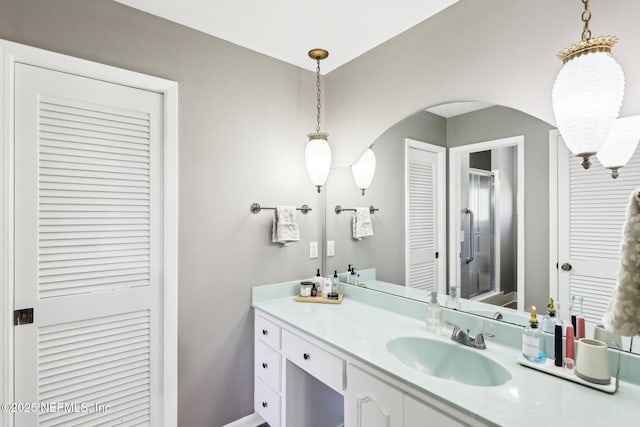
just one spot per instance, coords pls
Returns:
(357, 280)
(319, 282)
(314, 291)
(434, 314)
(452, 300)
(549, 322)
(533, 340)
(580, 332)
(335, 283)
(349, 274)
(326, 289)
(354, 276)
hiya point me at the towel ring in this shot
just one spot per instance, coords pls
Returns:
(255, 208)
(339, 209)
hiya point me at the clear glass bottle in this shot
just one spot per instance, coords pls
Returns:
(452, 300)
(533, 340)
(549, 322)
(434, 314)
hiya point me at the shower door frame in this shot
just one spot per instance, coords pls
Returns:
(455, 155)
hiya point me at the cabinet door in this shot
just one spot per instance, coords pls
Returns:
(370, 402)
(417, 413)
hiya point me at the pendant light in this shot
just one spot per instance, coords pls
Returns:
(364, 169)
(317, 155)
(588, 92)
(621, 145)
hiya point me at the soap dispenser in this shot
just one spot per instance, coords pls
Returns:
(319, 281)
(434, 314)
(452, 300)
(549, 322)
(533, 340)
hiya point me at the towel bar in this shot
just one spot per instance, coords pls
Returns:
(255, 208)
(339, 209)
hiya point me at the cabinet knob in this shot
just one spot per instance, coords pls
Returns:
(264, 404)
(306, 356)
(265, 332)
(264, 365)
(566, 267)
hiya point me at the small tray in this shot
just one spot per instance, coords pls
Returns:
(548, 367)
(320, 299)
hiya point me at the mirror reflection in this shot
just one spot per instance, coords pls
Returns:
(465, 206)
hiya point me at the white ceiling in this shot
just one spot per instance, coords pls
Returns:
(288, 29)
(453, 109)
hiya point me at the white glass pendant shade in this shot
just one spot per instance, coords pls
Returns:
(317, 157)
(364, 169)
(587, 96)
(621, 145)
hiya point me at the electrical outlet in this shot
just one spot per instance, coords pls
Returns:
(331, 247)
(313, 249)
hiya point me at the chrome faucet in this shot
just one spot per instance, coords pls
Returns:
(462, 337)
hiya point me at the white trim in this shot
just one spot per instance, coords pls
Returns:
(252, 420)
(454, 206)
(12, 53)
(441, 210)
(554, 136)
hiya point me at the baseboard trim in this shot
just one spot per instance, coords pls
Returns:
(252, 420)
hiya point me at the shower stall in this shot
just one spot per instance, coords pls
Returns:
(478, 244)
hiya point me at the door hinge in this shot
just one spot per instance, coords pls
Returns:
(23, 317)
(437, 255)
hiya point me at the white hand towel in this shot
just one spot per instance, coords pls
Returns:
(361, 223)
(285, 228)
(623, 313)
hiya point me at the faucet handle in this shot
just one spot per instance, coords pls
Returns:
(479, 339)
(456, 328)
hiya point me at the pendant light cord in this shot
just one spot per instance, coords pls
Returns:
(318, 94)
(586, 16)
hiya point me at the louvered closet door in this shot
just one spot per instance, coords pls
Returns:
(88, 245)
(591, 212)
(421, 219)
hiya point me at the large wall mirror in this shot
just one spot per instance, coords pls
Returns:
(466, 196)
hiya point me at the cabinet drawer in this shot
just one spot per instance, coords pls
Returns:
(267, 403)
(267, 332)
(415, 412)
(318, 362)
(267, 365)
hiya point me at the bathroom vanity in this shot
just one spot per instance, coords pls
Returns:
(325, 365)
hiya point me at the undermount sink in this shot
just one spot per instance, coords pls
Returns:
(449, 361)
(506, 316)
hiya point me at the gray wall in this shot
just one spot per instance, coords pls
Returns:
(385, 250)
(499, 122)
(243, 121)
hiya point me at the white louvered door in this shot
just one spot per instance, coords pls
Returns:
(421, 219)
(591, 212)
(88, 250)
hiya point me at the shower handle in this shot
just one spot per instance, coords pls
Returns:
(469, 259)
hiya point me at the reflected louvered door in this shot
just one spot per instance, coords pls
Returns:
(591, 213)
(421, 219)
(88, 247)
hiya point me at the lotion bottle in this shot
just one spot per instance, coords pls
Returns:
(533, 340)
(319, 283)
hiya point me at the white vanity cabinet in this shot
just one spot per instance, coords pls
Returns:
(300, 381)
(371, 402)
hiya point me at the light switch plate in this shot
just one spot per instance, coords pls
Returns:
(313, 249)
(331, 247)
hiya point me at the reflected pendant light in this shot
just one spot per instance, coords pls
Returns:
(317, 155)
(621, 145)
(588, 92)
(364, 169)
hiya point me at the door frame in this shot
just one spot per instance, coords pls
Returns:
(441, 212)
(554, 140)
(454, 205)
(12, 53)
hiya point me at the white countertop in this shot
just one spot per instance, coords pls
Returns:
(530, 398)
